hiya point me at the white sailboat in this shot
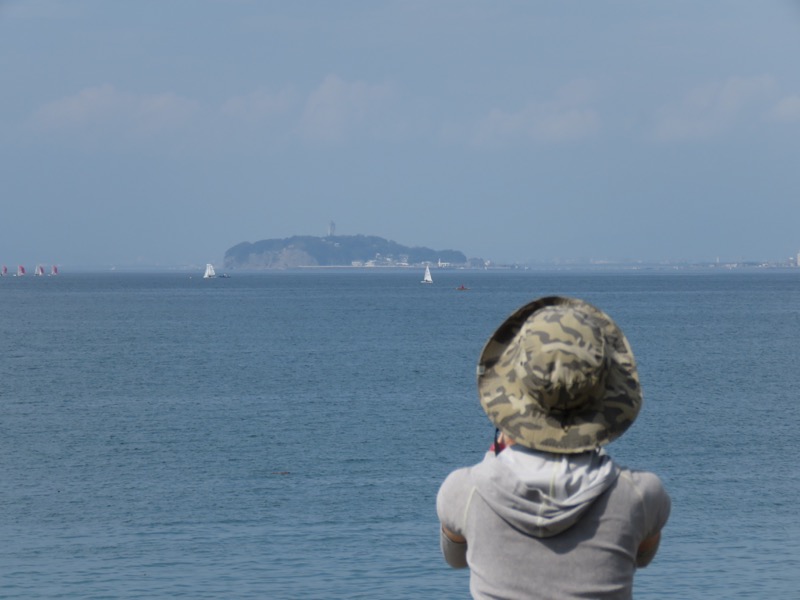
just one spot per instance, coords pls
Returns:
(209, 271)
(39, 271)
(20, 271)
(427, 278)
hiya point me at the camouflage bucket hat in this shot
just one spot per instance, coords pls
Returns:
(559, 375)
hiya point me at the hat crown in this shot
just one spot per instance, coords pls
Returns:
(560, 359)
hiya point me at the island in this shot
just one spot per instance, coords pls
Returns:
(339, 251)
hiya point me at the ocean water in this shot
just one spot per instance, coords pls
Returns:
(283, 435)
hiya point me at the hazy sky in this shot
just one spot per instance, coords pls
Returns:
(165, 132)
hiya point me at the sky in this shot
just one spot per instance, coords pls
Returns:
(162, 133)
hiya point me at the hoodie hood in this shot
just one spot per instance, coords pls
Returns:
(540, 493)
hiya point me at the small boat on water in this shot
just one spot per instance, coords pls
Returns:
(38, 271)
(4, 272)
(427, 277)
(54, 270)
(20, 271)
(462, 288)
(211, 273)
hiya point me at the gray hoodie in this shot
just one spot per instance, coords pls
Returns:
(549, 526)
(540, 493)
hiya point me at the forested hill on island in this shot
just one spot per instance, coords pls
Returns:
(337, 251)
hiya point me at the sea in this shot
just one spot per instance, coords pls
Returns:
(284, 434)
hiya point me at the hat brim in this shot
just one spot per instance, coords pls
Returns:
(605, 418)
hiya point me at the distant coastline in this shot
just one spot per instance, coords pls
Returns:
(365, 251)
(533, 267)
(340, 251)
